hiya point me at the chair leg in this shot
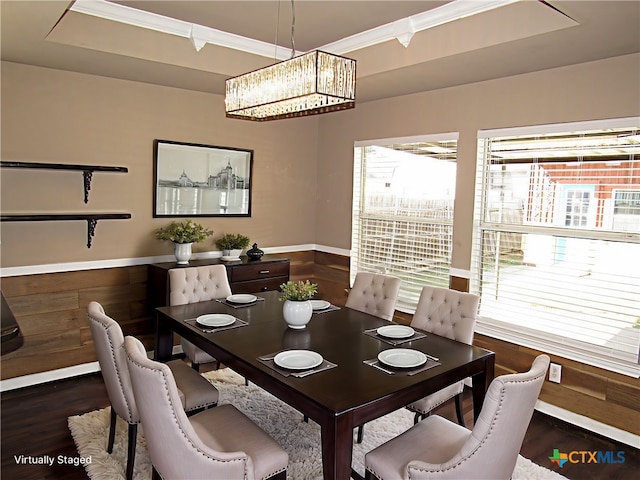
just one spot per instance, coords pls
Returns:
(195, 366)
(420, 416)
(131, 453)
(112, 430)
(279, 476)
(360, 434)
(367, 475)
(305, 419)
(458, 400)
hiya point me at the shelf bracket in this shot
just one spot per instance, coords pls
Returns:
(91, 230)
(87, 174)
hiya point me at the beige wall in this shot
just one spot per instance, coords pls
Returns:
(56, 116)
(597, 90)
(62, 117)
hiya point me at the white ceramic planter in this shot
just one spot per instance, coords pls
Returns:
(297, 314)
(182, 251)
(232, 253)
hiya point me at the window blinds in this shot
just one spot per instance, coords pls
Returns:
(404, 191)
(556, 252)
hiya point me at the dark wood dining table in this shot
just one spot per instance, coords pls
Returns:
(340, 398)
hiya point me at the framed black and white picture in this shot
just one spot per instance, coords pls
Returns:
(195, 180)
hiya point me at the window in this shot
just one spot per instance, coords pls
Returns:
(403, 211)
(556, 251)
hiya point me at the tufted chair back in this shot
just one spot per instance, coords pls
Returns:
(491, 451)
(198, 284)
(216, 443)
(175, 448)
(452, 314)
(109, 344)
(194, 391)
(438, 448)
(448, 313)
(374, 294)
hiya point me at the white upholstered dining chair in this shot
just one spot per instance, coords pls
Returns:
(197, 284)
(452, 314)
(375, 294)
(195, 392)
(220, 443)
(436, 448)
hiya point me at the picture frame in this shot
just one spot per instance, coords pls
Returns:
(197, 180)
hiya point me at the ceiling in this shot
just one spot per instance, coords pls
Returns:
(516, 37)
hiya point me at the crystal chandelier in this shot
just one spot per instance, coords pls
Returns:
(309, 84)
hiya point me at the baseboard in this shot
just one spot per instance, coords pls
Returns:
(589, 424)
(49, 376)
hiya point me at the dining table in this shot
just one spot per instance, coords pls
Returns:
(350, 387)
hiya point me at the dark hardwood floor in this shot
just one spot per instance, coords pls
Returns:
(34, 424)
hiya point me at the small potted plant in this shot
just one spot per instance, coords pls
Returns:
(232, 244)
(297, 309)
(183, 235)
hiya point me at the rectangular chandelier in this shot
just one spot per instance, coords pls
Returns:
(313, 83)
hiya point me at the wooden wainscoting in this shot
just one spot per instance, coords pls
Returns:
(331, 273)
(51, 310)
(601, 395)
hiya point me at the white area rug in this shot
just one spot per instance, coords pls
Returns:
(284, 424)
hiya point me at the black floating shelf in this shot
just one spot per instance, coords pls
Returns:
(91, 219)
(87, 170)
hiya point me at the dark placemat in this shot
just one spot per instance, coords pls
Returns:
(205, 329)
(375, 363)
(372, 332)
(238, 305)
(330, 308)
(268, 361)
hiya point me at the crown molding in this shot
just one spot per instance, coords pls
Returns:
(402, 29)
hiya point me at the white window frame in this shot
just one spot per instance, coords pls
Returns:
(410, 288)
(559, 345)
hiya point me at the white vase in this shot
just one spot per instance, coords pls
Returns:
(182, 251)
(233, 253)
(297, 314)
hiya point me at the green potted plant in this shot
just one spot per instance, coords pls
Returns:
(232, 245)
(297, 309)
(183, 235)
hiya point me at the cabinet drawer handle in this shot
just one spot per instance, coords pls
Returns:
(265, 288)
(264, 271)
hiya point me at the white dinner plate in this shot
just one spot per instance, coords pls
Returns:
(215, 320)
(320, 304)
(402, 358)
(242, 298)
(395, 331)
(298, 359)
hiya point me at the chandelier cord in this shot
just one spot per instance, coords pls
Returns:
(275, 43)
(293, 27)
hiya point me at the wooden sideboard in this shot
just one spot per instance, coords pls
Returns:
(245, 276)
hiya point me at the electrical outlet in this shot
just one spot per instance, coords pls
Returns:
(555, 372)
